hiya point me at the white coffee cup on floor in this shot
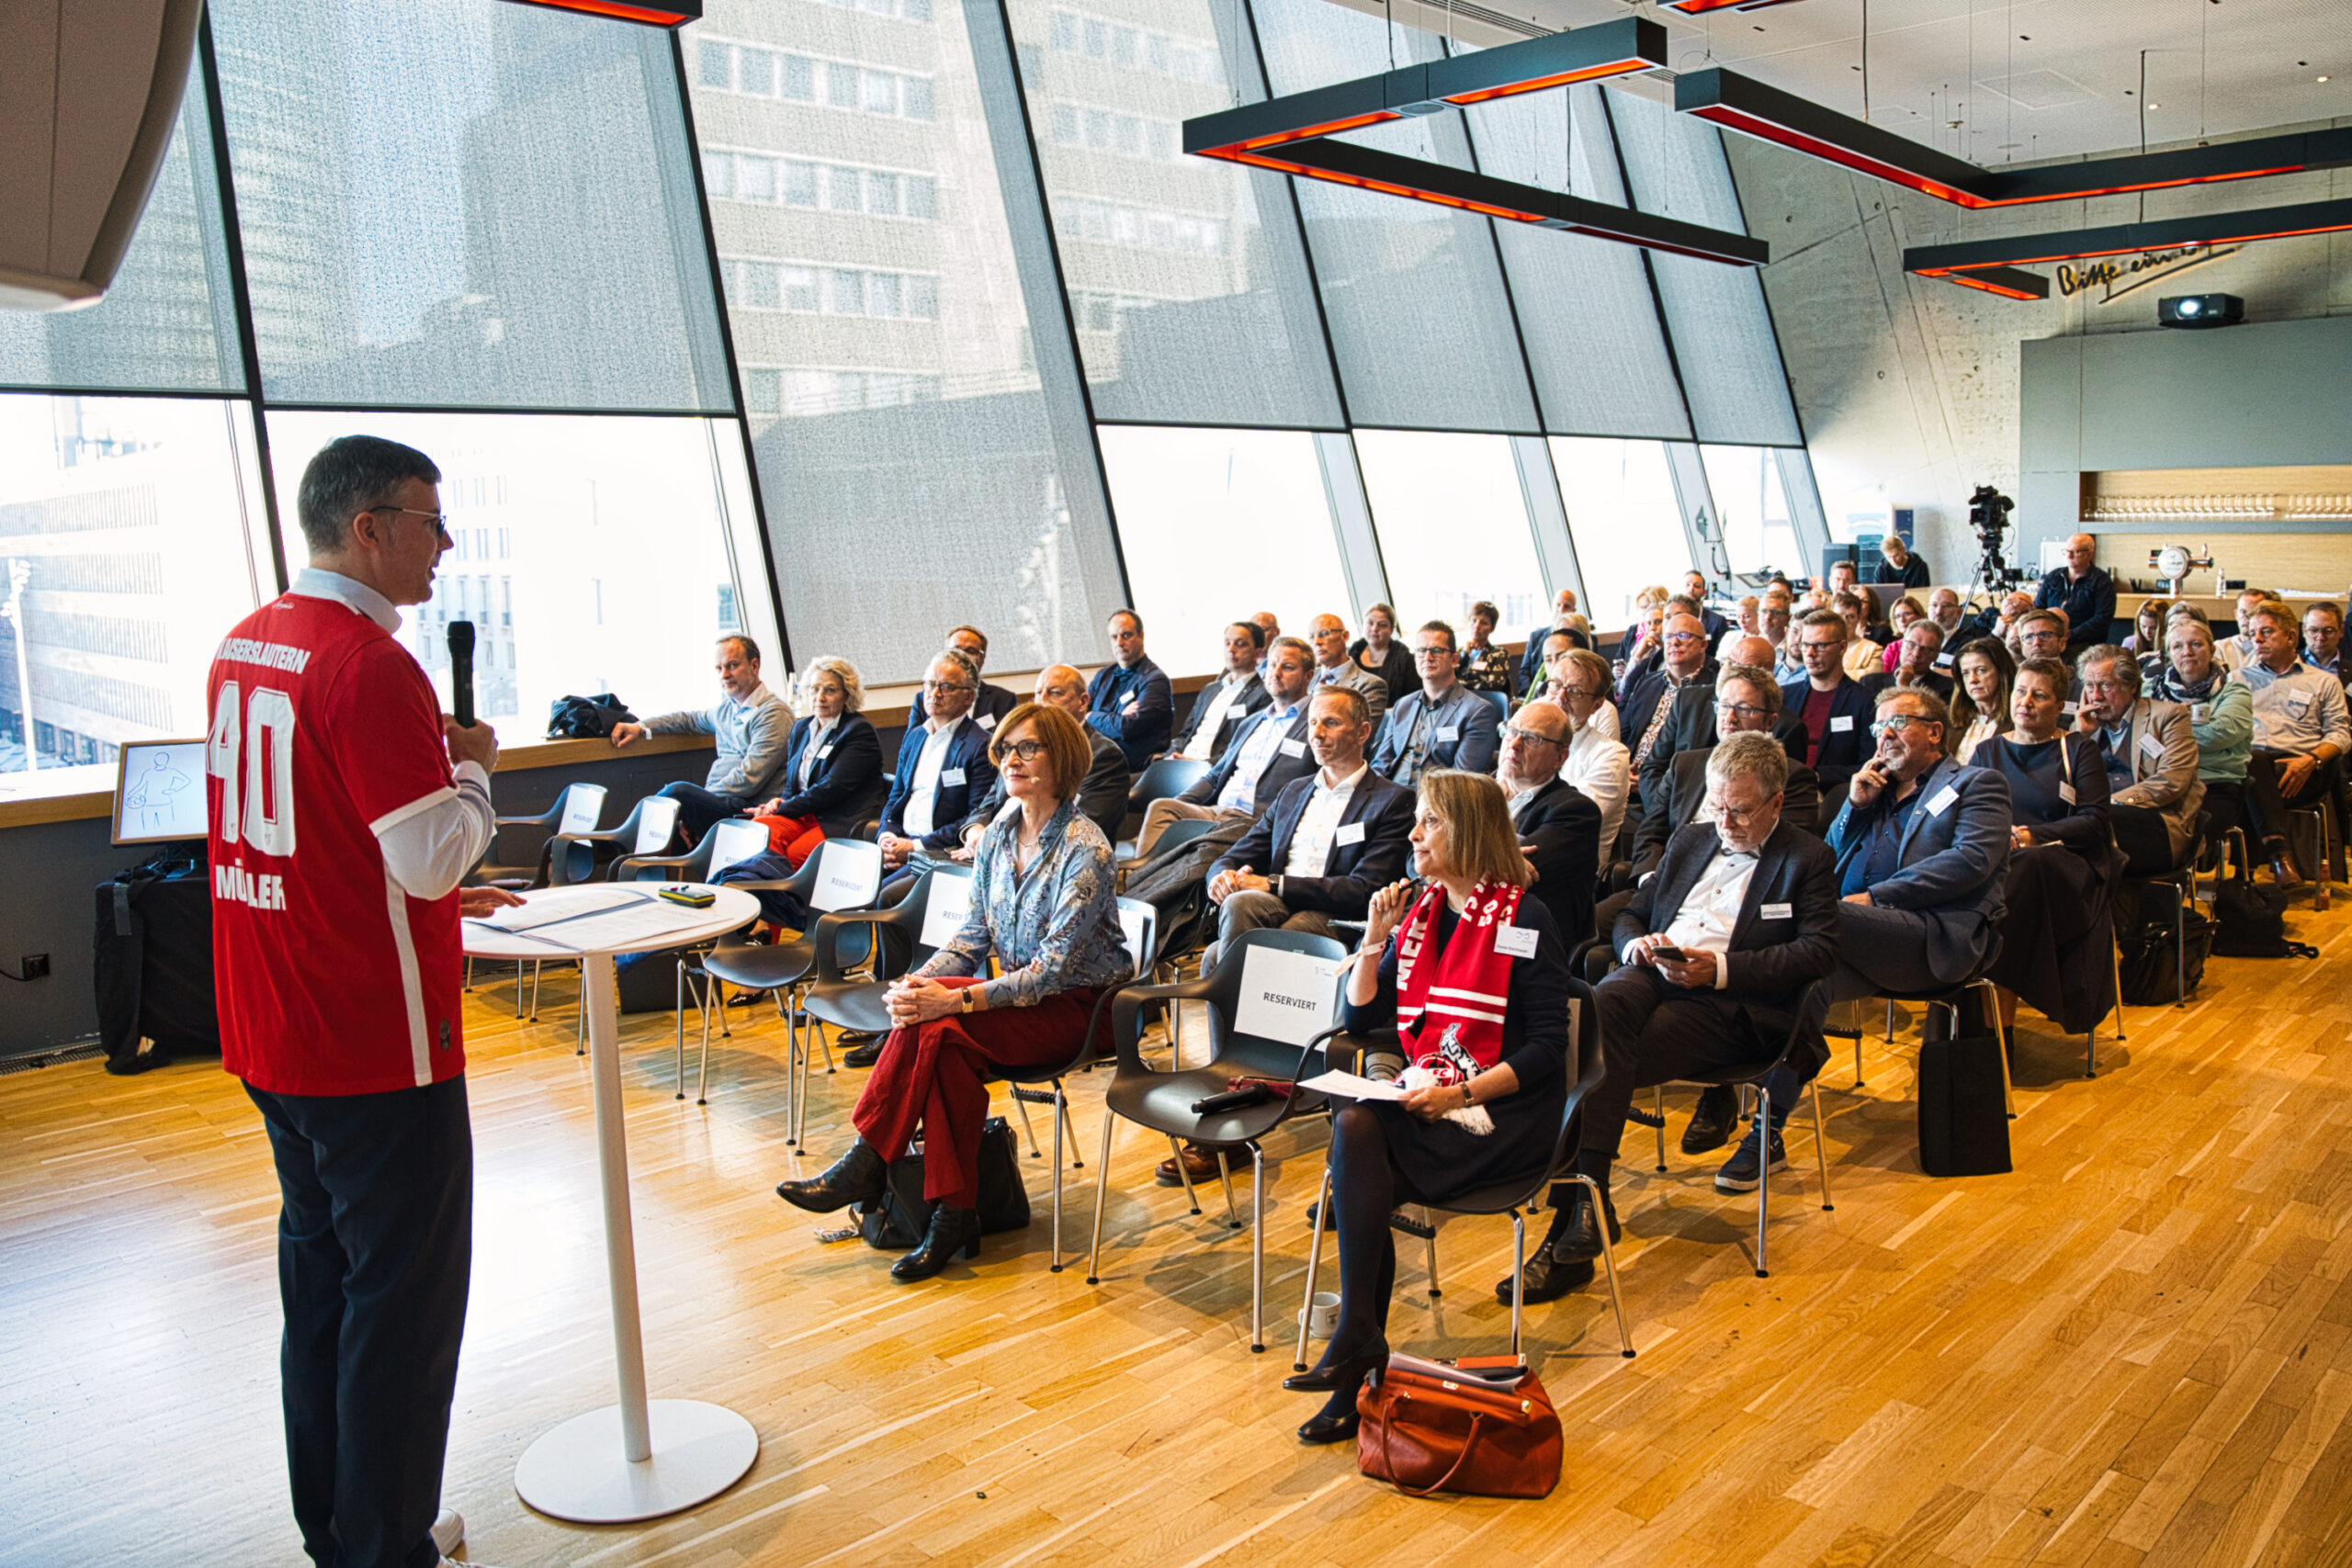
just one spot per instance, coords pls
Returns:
(1323, 1317)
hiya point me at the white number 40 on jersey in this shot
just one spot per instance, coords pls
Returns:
(264, 737)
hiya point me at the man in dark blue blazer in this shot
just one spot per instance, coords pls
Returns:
(1694, 588)
(1328, 842)
(1557, 824)
(1716, 949)
(1129, 698)
(943, 768)
(1443, 725)
(2083, 591)
(1831, 705)
(993, 702)
(1266, 753)
(1531, 659)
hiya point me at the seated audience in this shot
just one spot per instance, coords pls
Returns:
(1269, 627)
(943, 768)
(1950, 615)
(2041, 634)
(2221, 720)
(1042, 909)
(1316, 854)
(2239, 648)
(1129, 698)
(1748, 623)
(1899, 620)
(1642, 649)
(1531, 660)
(2054, 937)
(1220, 707)
(2153, 794)
(2084, 591)
(1915, 658)
(1650, 609)
(1744, 701)
(1558, 824)
(1378, 652)
(1834, 709)
(1333, 666)
(2146, 642)
(1487, 1014)
(1979, 706)
(1598, 762)
(1845, 576)
(750, 728)
(2323, 638)
(1439, 724)
(1268, 751)
(1694, 588)
(993, 701)
(1485, 667)
(1101, 798)
(1648, 702)
(1898, 566)
(2014, 607)
(1860, 655)
(1555, 643)
(832, 778)
(1690, 717)
(1740, 917)
(2301, 732)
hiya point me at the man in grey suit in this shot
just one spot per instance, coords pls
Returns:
(2152, 793)
(1443, 725)
(1334, 668)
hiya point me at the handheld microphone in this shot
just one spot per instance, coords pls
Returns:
(462, 670)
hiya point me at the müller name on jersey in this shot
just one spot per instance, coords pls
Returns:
(238, 885)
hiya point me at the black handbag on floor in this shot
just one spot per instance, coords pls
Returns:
(2251, 923)
(1964, 1126)
(896, 1220)
(2151, 966)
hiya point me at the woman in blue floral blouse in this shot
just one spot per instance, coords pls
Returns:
(1045, 907)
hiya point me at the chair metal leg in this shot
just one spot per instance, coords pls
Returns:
(1429, 1218)
(1763, 1179)
(2115, 965)
(702, 1077)
(679, 1012)
(1519, 1273)
(1858, 1058)
(1820, 1146)
(824, 1042)
(1608, 1257)
(1035, 1153)
(1314, 1265)
(518, 989)
(1185, 1176)
(1225, 1175)
(1053, 1264)
(1890, 1026)
(1075, 1162)
(1257, 1250)
(537, 965)
(2179, 946)
(1657, 1100)
(1101, 1190)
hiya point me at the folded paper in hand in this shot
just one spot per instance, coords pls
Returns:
(1348, 1085)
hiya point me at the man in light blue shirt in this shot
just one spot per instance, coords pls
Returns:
(1268, 751)
(751, 728)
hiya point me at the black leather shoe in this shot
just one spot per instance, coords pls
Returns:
(1578, 1240)
(864, 1054)
(952, 1231)
(1332, 1375)
(1710, 1127)
(1321, 1428)
(1546, 1278)
(858, 1177)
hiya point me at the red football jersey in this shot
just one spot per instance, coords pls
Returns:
(331, 979)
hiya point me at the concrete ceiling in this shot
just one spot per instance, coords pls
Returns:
(2000, 81)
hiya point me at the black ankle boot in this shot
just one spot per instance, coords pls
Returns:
(858, 1177)
(952, 1231)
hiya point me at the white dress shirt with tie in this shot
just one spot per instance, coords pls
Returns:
(1318, 825)
(924, 800)
(1241, 791)
(1710, 910)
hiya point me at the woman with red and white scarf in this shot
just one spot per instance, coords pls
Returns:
(1474, 976)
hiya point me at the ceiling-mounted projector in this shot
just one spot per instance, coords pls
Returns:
(2200, 310)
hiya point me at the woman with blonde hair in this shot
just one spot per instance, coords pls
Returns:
(1474, 976)
(1379, 651)
(831, 780)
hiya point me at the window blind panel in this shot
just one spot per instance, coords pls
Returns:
(1187, 282)
(168, 323)
(1419, 318)
(455, 204)
(1626, 521)
(1585, 306)
(1723, 335)
(1453, 527)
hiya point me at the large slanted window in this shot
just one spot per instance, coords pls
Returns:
(1752, 508)
(1626, 521)
(1453, 527)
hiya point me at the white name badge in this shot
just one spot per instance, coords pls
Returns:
(986, 721)
(1515, 942)
(2201, 713)
(1841, 724)
(2151, 745)
(1943, 660)
(825, 751)
(951, 776)
(1777, 912)
(2071, 709)
(1291, 748)
(1349, 833)
(2067, 791)
(1940, 802)
(1449, 733)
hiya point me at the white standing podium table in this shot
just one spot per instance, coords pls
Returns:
(634, 1460)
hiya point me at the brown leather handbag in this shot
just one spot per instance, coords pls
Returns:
(1482, 1424)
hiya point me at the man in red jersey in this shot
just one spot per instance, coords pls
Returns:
(343, 809)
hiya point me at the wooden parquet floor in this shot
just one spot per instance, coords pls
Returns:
(2137, 1349)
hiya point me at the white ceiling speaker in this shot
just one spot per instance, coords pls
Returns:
(90, 92)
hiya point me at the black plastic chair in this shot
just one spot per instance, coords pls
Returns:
(1161, 777)
(848, 1000)
(736, 839)
(584, 857)
(1512, 1198)
(532, 871)
(1162, 1100)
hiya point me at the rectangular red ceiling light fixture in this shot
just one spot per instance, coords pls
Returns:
(1741, 104)
(657, 13)
(1984, 264)
(1701, 7)
(1289, 134)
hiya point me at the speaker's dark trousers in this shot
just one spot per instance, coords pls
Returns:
(375, 1247)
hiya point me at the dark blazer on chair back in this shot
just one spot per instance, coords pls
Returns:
(844, 780)
(1954, 860)
(1293, 759)
(966, 775)
(1358, 864)
(1560, 829)
(1785, 937)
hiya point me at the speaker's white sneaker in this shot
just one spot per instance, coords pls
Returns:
(448, 1532)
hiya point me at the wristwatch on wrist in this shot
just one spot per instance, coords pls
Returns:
(1468, 1101)
(964, 1002)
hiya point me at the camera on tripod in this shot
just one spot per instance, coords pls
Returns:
(1989, 513)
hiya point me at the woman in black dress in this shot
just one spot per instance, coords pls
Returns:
(1480, 997)
(2054, 937)
(1379, 651)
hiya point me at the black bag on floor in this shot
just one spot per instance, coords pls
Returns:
(896, 1220)
(2251, 923)
(2152, 966)
(153, 963)
(1963, 1127)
